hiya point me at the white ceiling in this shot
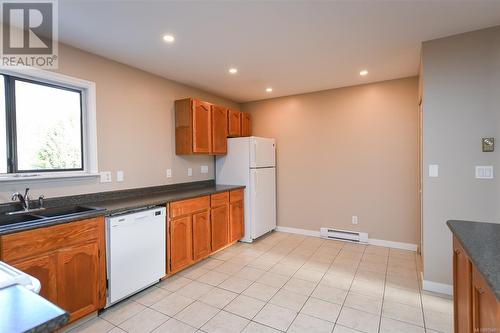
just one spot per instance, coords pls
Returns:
(295, 47)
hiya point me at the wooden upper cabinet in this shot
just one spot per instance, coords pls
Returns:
(219, 130)
(462, 289)
(246, 124)
(193, 130)
(202, 130)
(181, 250)
(233, 123)
(486, 308)
(201, 235)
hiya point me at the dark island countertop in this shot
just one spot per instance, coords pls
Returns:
(21, 310)
(481, 241)
(115, 202)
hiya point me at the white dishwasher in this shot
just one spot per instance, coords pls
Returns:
(136, 251)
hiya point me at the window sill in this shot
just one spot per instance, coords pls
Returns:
(20, 178)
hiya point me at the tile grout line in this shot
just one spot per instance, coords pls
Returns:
(285, 247)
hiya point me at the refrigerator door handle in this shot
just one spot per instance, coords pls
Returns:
(255, 153)
(256, 182)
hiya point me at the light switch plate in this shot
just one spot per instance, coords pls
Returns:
(204, 169)
(105, 176)
(119, 176)
(190, 172)
(169, 173)
(433, 170)
(484, 171)
(354, 219)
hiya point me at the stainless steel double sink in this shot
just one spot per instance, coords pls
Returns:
(46, 214)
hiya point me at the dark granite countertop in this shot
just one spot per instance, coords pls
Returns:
(481, 241)
(115, 202)
(121, 205)
(21, 310)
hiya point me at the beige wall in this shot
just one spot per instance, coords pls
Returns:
(344, 152)
(135, 127)
(461, 105)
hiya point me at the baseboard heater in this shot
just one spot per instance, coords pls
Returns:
(344, 235)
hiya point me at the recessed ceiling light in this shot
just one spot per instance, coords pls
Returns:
(233, 70)
(269, 89)
(169, 38)
(363, 72)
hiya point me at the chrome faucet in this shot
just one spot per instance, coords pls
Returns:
(26, 201)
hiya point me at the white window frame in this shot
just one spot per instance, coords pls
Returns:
(88, 118)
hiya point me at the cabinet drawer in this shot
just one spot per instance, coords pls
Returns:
(188, 206)
(25, 244)
(219, 199)
(236, 195)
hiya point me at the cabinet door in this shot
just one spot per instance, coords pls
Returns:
(486, 309)
(236, 220)
(462, 289)
(201, 127)
(44, 269)
(78, 279)
(234, 126)
(219, 130)
(181, 250)
(220, 227)
(246, 125)
(201, 235)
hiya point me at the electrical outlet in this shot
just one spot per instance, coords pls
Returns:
(105, 176)
(190, 172)
(354, 219)
(169, 173)
(204, 169)
(119, 176)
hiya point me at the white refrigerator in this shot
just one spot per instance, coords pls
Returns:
(251, 161)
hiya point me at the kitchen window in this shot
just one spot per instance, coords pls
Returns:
(47, 126)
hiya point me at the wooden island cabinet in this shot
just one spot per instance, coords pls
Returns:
(476, 308)
(68, 259)
(198, 227)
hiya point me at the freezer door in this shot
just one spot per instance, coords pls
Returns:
(262, 152)
(262, 201)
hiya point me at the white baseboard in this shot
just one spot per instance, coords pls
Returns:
(437, 287)
(298, 231)
(394, 245)
(371, 241)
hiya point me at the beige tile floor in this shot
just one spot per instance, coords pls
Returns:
(286, 283)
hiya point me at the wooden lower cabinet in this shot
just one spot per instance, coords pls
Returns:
(476, 308)
(78, 279)
(236, 216)
(220, 227)
(201, 235)
(485, 307)
(69, 261)
(44, 268)
(462, 289)
(181, 251)
(198, 227)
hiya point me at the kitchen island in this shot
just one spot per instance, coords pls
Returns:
(476, 276)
